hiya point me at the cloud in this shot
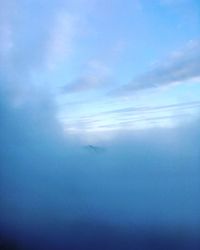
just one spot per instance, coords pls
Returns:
(145, 176)
(133, 118)
(97, 75)
(49, 182)
(6, 42)
(179, 67)
(61, 38)
(144, 180)
(172, 3)
(32, 43)
(148, 109)
(6, 30)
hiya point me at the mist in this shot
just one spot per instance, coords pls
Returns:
(55, 194)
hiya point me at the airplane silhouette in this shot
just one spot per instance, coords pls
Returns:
(95, 149)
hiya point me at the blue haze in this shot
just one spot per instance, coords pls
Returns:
(99, 124)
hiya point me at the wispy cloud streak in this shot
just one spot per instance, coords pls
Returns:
(133, 116)
(179, 67)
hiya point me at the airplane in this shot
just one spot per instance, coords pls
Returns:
(95, 149)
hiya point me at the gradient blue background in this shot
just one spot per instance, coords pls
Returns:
(122, 76)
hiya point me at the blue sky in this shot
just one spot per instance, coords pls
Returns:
(122, 76)
(92, 56)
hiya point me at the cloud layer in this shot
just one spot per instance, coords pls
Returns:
(55, 194)
(181, 66)
(143, 180)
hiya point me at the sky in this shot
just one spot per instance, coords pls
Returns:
(99, 122)
(98, 59)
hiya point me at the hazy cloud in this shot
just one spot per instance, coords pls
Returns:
(32, 42)
(172, 3)
(176, 106)
(6, 30)
(179, 67)
(53, 193)
(61, 38)
(131, 117)
(97, 74)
